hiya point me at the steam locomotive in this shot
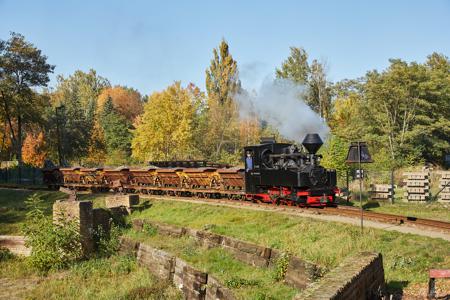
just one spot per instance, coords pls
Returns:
(277, 173)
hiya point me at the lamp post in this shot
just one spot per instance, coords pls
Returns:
(59, 110)
(359, 153)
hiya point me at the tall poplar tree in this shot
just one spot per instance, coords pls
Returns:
(222, 83)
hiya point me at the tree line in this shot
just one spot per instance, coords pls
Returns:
(403, 112)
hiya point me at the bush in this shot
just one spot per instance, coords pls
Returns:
(5, 254)
(54, 246)
(108, 243)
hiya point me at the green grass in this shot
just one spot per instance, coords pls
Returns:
(13, 209)
(246, 281)
(426, 210)
(407, 257)
(103, 278)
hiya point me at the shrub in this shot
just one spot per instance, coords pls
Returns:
(108, 243)
(5, 254)
(281, 266)
(54, 246)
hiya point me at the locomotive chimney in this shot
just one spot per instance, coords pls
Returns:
(312, 142)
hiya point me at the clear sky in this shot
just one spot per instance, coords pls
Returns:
(149, 44)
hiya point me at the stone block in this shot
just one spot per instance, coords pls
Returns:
(166, 229)
(215, 290)
(247, 247)
(248, 258)
(178, 273)
(358, 277)
(82, 213)
(15, 244)
(102, 218)
(126, 201)
(128, 246)
(209, 239)
(137, 224)
(158, 262)
(300, 273)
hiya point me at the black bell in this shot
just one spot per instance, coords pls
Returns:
(312, 142)
(352, 155)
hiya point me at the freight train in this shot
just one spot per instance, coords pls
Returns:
(277, 173)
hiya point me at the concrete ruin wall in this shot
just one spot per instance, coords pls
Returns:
(299, 272)
(80, 212)
(15, 244)
(193, 283)
(358, 277)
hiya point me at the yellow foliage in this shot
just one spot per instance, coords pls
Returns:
(97, 149)
(165, 129)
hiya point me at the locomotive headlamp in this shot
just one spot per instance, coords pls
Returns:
(358, 152)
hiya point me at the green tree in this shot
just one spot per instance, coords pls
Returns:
(295, 67)
(319, 90)
(165, 130)
(23, 67)
(312, 76)
(78, 95)
(222, 84)
(116, 129)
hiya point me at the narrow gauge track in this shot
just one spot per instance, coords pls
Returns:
(236, 198)
(340, 211)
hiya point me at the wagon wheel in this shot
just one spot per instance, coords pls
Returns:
(216, 183)
(186, 182)
(158, 181)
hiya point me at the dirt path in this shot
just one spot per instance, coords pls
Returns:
(314, 215)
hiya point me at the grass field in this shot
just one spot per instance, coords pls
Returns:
(13, 209)
(407, 257)
(247, 282)
(103, 278)
(433, 210)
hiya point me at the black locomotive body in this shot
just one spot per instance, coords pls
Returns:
(280, 172)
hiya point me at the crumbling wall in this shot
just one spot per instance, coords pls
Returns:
(195, 284)
(359, 277)
(299, 272)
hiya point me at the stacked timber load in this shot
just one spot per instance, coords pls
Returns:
(417, 185)
(381, 192)
(444, 187)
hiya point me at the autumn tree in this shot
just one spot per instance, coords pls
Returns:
(23, 67)
(127, 102)
(222, 84)
(165, 130)
(96, 154)
(34, 150)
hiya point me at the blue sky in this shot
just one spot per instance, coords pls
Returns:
(148, 44)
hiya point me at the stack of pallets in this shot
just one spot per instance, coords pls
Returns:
(381, 192)
(444, 187)
(417, 186)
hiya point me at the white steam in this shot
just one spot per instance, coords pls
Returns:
(279, 102)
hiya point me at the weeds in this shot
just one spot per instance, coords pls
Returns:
(54, 246)
(281, 266)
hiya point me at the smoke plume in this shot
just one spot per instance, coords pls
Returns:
(280, 103)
